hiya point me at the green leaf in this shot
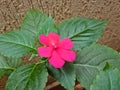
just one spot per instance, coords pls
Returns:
(107, 66)
(38, 23)
(91, 60)
(107, 80)
(82, 31)
(28, 77)
(65, 75)
(47, 27)
(17, 43)
(2, 72)
(8, 64)
(33, 20)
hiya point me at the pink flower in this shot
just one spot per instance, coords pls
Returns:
(55, 50)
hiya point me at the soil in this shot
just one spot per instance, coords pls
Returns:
(3, 82)
(13, 11)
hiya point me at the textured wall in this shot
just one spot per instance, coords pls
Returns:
(12, 13)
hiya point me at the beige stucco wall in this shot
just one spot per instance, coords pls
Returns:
(12, 12)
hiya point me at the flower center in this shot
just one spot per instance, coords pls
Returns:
(54, 45)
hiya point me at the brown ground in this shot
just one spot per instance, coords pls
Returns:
(12, 12)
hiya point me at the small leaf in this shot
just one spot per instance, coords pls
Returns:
(28, 77)
(82, 31)
(91, 60)
(8, 64)
(107, 80)
(107, 66)
(32, 56)
(65, 75)
(17, 43)
(38, 23)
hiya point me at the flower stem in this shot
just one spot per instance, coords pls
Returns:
(41, 61)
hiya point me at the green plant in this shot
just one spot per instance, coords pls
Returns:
(96, 66)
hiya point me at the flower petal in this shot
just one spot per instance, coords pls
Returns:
(45, 51)
(43, 39)
(53, 39)
(66, 43)
(67, 55)
(54, 36)
(56, 61)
